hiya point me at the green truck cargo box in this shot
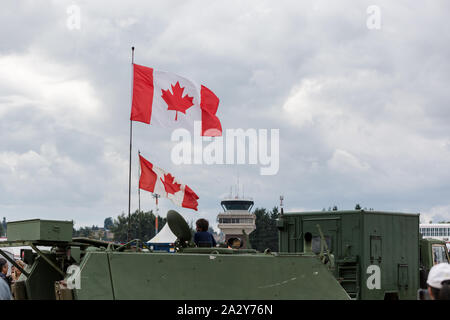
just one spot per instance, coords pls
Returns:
(376, 253)
(37, 229)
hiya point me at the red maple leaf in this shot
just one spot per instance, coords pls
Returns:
(169, 185)
(176, 101)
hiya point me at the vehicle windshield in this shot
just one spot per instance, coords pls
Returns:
(439, 254)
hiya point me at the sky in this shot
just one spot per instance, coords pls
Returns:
(358, 91)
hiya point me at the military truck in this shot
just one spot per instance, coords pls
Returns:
(432, 251)
(80, 268)
(373, 254)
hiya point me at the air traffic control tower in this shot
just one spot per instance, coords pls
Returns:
(236, 218)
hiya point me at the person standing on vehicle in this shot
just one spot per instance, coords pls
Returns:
(15, 274)
(202, 237)
(5, 291)
(439, 282)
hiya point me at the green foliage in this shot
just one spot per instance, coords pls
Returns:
(192, 228)
(4, 225)
(85, 232)
(266, 233)
(108, 223)
(142, 226)
(357, 207)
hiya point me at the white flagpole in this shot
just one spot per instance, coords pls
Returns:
(139, 175)
(131, 138)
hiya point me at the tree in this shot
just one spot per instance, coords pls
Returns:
(266, 233)
(192, 228)
(274, 214)
(84, 232)
(142, 226)
(108, 223)
(357, 207)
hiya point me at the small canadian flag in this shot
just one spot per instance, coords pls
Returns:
(156, 180)
(171, 100)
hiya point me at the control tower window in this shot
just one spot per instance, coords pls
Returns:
(235, 220)
(237, 205)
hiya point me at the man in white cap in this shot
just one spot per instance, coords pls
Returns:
(439, 282)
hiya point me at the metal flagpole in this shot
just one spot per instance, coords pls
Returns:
(131, 136)
(156, 196)
(139, 189)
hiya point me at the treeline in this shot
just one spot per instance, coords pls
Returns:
(266, 234)
(3, 228)
(142, 226)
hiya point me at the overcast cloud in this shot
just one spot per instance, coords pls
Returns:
(363, 113)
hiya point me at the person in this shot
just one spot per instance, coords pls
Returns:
(15, 274)
(439, 282)
(234, 243)
(5, 291)
(202, 237)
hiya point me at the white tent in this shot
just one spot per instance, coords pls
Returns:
(164, 236)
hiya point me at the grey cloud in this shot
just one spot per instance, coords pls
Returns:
(382, 99)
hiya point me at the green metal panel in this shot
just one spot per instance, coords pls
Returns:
(351, 234)
(208, 276)
(40, 285)
(95, 277)
(391, 242)
(36, 229)
(330, 228)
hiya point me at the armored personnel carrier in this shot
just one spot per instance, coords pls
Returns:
(80, 268)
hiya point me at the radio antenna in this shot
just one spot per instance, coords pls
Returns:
(281, 204)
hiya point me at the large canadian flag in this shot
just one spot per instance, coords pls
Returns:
(173, 101)
(156, 180)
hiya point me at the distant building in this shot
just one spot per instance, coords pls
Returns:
(236, 218)
(440, 231)
(102, 233)
(109, 235)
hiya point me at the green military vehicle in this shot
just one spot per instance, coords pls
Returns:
(322, 255)
(432, 251)
(373, 254)
(80, 268)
